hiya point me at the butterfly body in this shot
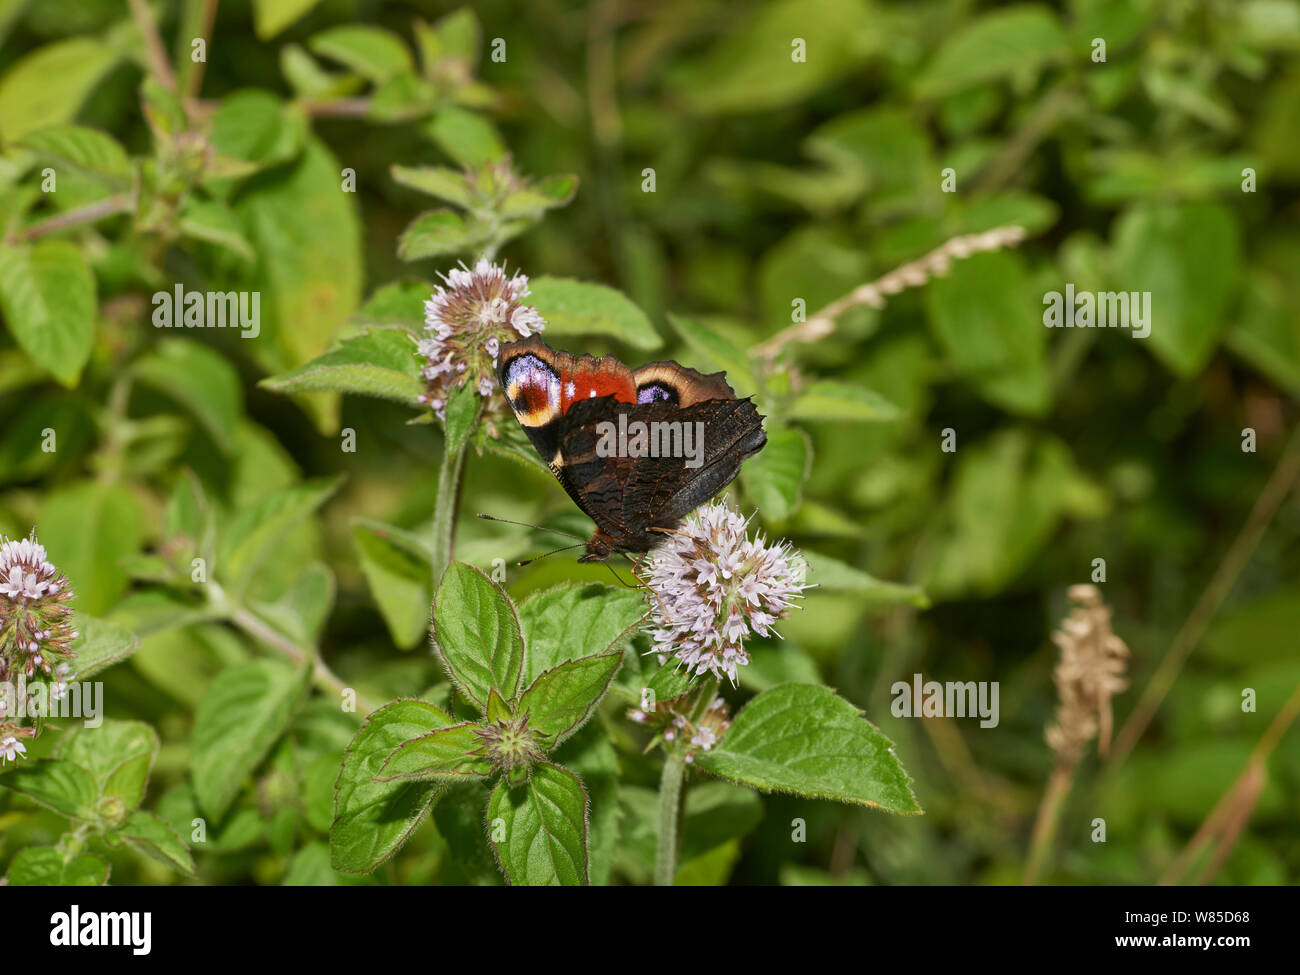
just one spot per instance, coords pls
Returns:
(689, 435)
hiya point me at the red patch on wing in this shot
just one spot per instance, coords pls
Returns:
(580, 385)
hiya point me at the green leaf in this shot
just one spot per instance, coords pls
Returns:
(459, 35)
(572, 621)
(718, 351)
(214, 223)
(310, 867)
(243, 714)
(256, 530)
(437, 233)
(805, 739)
(47, 294)
(774, 476)
(62, 786)
(379, 362)
(99, 645)
(398, 579)
(984, 315)
(200, 379)
(545, 825)
(372, 52)
(753, 69)
(832, 575)
(270, 17)
(155, 839)
(89, 150)
(44, 867)
(532, 201)
(87, 528)
(590, 754)
(467, 137)
(445, 184)
(832, 400)
(119, 756)
(1012, 42)
(560, 701)
(309, 269)
(581, 308)
(441, 754)
(476, 632)
(49, 85)
(256, 127)
(373, 819)
(1186, 255)
(463, 406)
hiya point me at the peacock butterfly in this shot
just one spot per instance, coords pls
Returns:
(636, 449)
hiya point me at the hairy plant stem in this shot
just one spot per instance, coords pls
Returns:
(670, 789)
(444, 512)
(670, 802)
(108, 207)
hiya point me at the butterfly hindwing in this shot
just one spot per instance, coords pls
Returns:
(568, 406)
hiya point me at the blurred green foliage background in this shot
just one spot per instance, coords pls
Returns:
(774, 180)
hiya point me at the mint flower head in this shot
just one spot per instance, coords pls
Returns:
(714, 585)
(35, 618)
(468, 319)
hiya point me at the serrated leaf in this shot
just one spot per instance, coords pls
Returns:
(379, 362)
(477, 634)
(437, 233)
(545, 822)
(119, 756)
(373, 819)
(63, 786)
(440, 754)
(445, 184)
(99, 645)
(90, 150)
(44, 867)
(47, 294)
(574, 620)
(242, 715)
(559, 701)
(155, 839)
(804, 739)
(573, 307)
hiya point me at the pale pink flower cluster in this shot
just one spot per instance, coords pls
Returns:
(35, 630)
(714, 585)
(468, 319)
(35, 625)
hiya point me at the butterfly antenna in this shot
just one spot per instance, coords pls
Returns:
(544, 554)
(524, 524)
